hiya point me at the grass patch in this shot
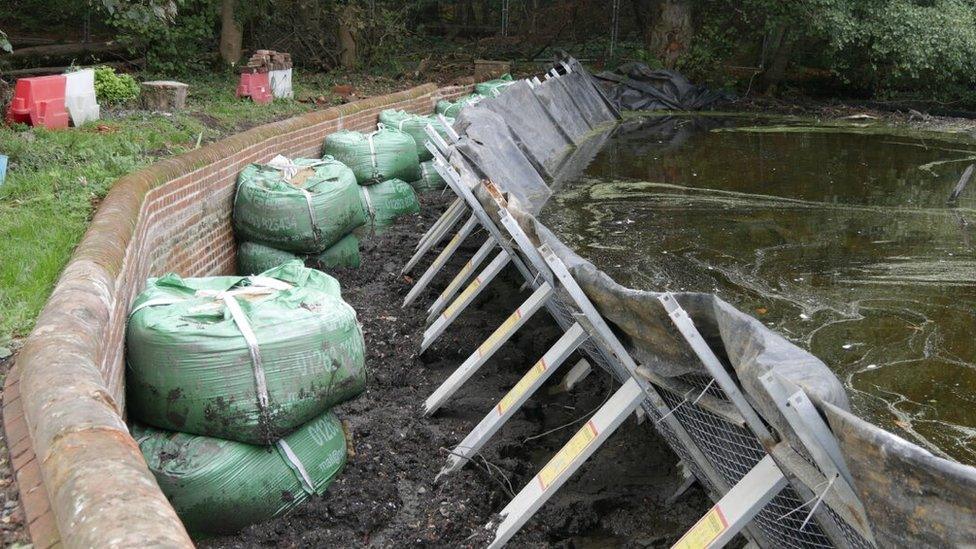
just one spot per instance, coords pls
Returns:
(56, 178)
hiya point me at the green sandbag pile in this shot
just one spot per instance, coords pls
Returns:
(191, 369)
(491, 88)
(253, 258)
(387, 153)
(306, 214)
(429, 180)
(415, 126)
(219, 486)
(451, 109)
(387, 201)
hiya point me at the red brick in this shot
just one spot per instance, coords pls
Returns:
(15, 427)
(44, 531)
(28, 475)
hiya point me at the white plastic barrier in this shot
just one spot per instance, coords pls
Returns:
(80, 97)
(281, 83)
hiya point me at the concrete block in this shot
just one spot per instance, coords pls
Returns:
(577, 373)
(164, 95)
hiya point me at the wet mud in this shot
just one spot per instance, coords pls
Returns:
(386, 496)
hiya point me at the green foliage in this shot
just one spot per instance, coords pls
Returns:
(384, 32)
(901, 44)
(21, 17)
(4, 43)
(874, 47)
(113, 88)
(142, 10)
(183, 44)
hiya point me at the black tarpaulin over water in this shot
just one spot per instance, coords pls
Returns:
(635, 86)
(498, 143)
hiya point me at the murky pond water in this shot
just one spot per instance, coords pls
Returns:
(839, 238)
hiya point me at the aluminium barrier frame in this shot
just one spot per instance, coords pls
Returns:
(741, 501)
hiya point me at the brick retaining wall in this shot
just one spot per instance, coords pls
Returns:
(82, 478)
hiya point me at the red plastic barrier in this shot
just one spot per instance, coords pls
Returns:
(39, 101)
(257, 86)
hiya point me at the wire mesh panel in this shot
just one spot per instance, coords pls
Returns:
(732, 451)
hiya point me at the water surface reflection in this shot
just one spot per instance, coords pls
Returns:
(840, 238)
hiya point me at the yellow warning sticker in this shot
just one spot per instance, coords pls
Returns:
(522, 386)
(442, 257)
(464, 271)
(705, 531)
(562, 460)
(500, 333)
(468, 292)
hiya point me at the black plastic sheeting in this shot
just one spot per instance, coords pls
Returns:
(491, 146)
(501, 140)
(635, 86)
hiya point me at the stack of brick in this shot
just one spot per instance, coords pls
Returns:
(266, 75)
(267, 61)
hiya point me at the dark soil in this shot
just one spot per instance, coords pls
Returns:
(387, 496)
(13, 529)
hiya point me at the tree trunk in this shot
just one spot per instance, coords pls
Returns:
(670, 33)
(638, 13)
(231, 34)
(484, 18)
(781, 48)
(348, 55)
(467, 10)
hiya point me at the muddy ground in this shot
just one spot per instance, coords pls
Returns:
(387, 496)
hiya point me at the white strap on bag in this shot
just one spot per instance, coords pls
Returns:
(260, 285)
(296, 466)
(370, 210)
(311, 209)
(252, 344)
(372, 148)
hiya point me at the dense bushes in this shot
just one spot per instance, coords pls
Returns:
(182, 45)
(865, 47)
(114, 89)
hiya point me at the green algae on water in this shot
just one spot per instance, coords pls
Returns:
(836, 236)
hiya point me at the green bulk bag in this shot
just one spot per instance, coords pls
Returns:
(491, 88)
(320, 205)
(451, 109)
(219, 486)
(429, 180)
(342, 254)
(254, 258)
(384, 154)
(386, 202)
(191, 369)
(415, 126)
